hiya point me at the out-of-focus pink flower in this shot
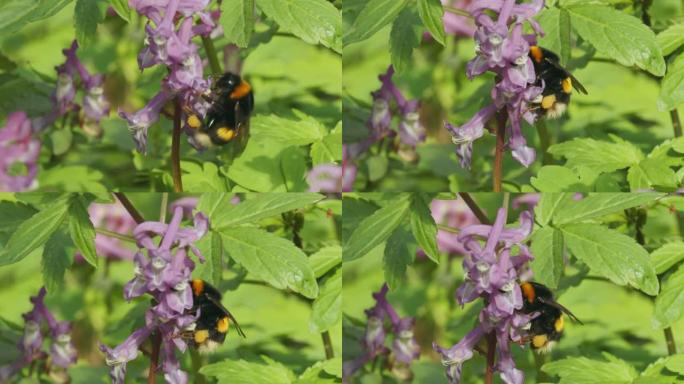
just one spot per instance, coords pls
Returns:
(455, 214)
(455, 24)
(19, 152)
(112, 217)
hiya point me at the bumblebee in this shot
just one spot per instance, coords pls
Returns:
(557, 81)
(232, 101)
(211, 327)
(547, 328)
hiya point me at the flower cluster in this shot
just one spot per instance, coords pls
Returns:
(457, 25)
(492, 274)
(61, 354)
(404, 349)
(168, 42)
(18, 163)
(112, 217)
(163, 271)
(503, 49)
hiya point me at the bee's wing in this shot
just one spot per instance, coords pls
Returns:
(562, 308)
(230, 315)
(575, 83)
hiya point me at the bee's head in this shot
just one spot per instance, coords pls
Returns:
(227, 82)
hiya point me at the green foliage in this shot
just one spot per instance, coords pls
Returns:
(404, 38)
(667, 256)
(398, 255)
(423, 226)
(87, 15)
(327, 308)
(374, 15)
(581, 370)
(556, 25)
(15, 14)
(57, 257)
(548, 263)
(272, 372)
(81, 229)
(122, 9)
(670, 301)
(672, 87)
(238, 21)
(431, 12)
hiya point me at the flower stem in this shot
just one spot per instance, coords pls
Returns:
(129, 207)
(212, 56)
(448, 228)
(676, 124)
(457, 11)
(115, 235)
(477, 211)
(544, 140)
(669, 340)
(163, 207)
(154, 358)
(491, 349)
(327, 344)
(175, 149)
(498, 155)
(539, 361)
(196, 365)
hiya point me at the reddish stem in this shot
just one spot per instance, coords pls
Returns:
(154, 358)
(491, 349)
(498, 155)
(175, 150)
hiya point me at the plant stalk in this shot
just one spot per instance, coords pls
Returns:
(457, 11)
(544, 141)
(196, 365)
(491, 349)
(129, 207)
(115, 235)
(676, 123)
(212, 56)
(327, 344)
(154, 358)
(163, 207)
(499, 151)
(477, 211)
(670, 341)
(175, 149)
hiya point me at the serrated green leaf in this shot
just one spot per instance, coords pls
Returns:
(423, 227)
(600, 156)
(548, 205)
(14, 14)
(329, 149)
(211, 248)
(203, 178)
(556, 25)
(269, 166)
(672, 86)
(13, 214)
(431, 12)
(405, 36)
(618, 35)
(34, 232)
(613, 255)
(666, 256)
(675, 363)
(397, 257)
(601, 204)
(271, 258)
(669, 305)
(82, 230)
(237, 20)
(373, 17)
(314, 21)
(554, 178)
(87, 15)
(245, 372)
(671, 38)
(376, 228)
(326, 310)
(256, 208)
(547, 248)
(651, 173)
(56, 260)
(286, 131)
(581, 370)
(325, 259)
(122, 9)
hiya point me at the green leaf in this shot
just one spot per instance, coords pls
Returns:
(601, 204)
(34, 232)
(286, 131)
(600, 156)
(326, 310)
(431, 12)
(547, 247)
(82, 230)
(376, 228)
(122, 9)
(666, 256)
(19, 91)
(268, 166)
(325, 259)
(211, 247)
(13, 214)
(329, 149)
(548, 205)
(556, 25)
(405, 36)
(72, 178)
(314, 21)
(271, 258)
(669, 305)
(203, 178)
(230, 371)
(87, 15)
(378, 165)
(397, 257)
(618, 35)
(237, 20)
(671, 38)
(672, 86)
(373, 17)
(211, 203)
(581, 370)
(258, 207)
(675, 363)
(613, 255)
(423, 227)
(651, 173)
(14, 14)
(57, 257)
(554, 178)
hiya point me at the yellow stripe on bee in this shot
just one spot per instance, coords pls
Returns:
(559, 324)
(539, 341)
(567, 85)
(241, 90)
(225, 133)
(548, 101)
(197, 286)
(537, 54)
(193, 121)
(222, 325)
(201, 336)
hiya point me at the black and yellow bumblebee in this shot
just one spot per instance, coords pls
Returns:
(547, 328)
(211, 327)
(558, 83)
(232, 102)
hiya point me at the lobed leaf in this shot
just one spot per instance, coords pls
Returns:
(326, 310)
(582, 370)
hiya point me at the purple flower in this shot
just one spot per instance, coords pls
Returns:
(140, 121)
(492, 272)
(18, 154)
(326, 178)
(503, 49)
(112, 217)
(162, 270)
(455, 214)
(455, 24)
